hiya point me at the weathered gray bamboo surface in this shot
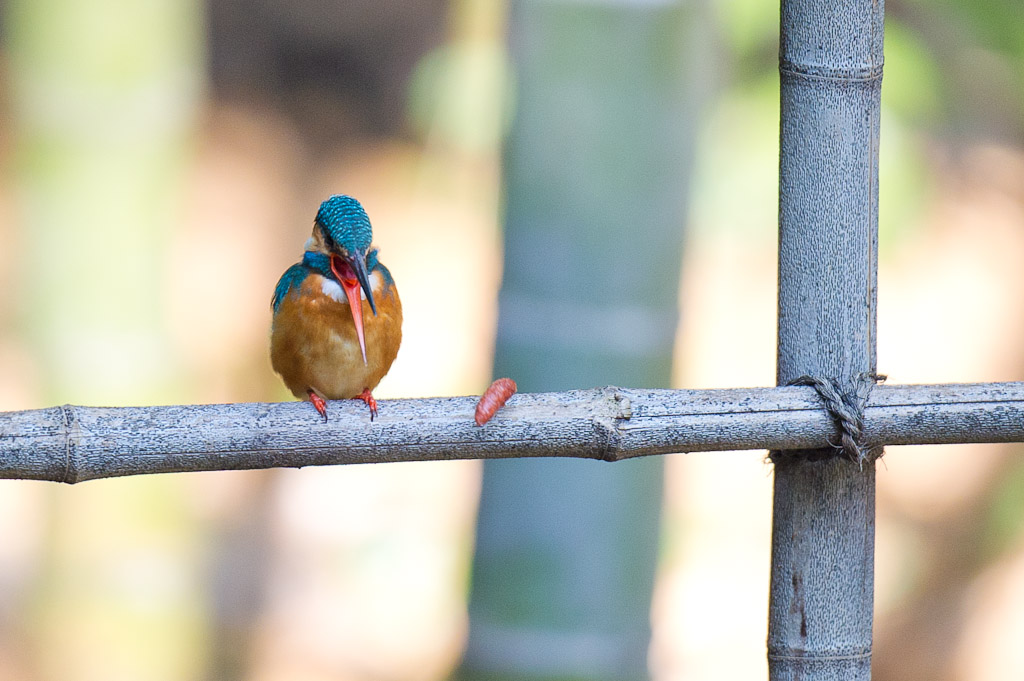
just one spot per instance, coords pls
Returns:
(73, 444)
(823, 523)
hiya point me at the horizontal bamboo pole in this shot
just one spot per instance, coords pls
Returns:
(73, 444)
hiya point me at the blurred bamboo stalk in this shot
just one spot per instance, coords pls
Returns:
(104, 97)
(596, 175)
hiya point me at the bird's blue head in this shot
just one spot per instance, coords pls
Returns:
(341, 241)
(344, 224)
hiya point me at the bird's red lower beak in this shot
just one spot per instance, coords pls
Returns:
(350, 284)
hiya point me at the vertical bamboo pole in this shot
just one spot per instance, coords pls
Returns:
(103, 101)
(595, 176)
(821, 598)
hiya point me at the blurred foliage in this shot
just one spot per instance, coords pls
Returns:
(978, 48)
(740, 141)
(953, 72)
(1004, 524)
(938, 53)
(445, 102)
(103, 113)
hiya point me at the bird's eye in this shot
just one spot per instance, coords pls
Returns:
(328, 240)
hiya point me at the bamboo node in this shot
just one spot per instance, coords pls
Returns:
(72, 435)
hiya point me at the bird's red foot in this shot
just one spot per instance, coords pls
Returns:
(319, 403)
(367, 396)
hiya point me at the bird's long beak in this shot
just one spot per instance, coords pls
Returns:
(352, 274)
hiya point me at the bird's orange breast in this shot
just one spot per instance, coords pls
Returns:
(313, 342)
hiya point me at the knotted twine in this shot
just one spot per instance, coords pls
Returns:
(846, 408)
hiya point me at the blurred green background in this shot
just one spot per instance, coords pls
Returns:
(162, 162)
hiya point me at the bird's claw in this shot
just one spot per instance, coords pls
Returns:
(367, 397)
(319, 403)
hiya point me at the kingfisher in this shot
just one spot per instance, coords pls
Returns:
(323, 342)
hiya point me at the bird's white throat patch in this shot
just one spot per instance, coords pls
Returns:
(332, 289)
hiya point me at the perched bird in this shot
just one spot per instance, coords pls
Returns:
(323, 341)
